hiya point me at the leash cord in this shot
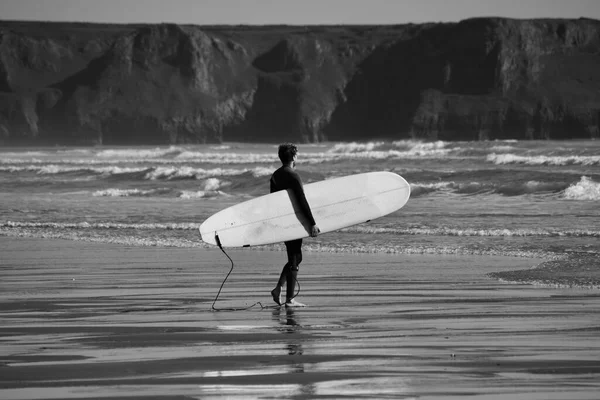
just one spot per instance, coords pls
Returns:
(223, 284)
(225, 280)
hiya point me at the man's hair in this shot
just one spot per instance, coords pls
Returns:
(286, 152)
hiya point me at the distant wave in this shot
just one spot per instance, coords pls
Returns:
(211, 189)
(421, 189)
(585, 189)
(355, 147)
(473, 232)
(138, 153)
(151, 173)
(312, 154)
(129, 192)
(384, 150)
(376, 150)
(542, 160)
(100, 225)
(19, 154)
(189, 194)
(479, 188)
(364, 229)
(530, 187)
(52, 169)
(183, 172)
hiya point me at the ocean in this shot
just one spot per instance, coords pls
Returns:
(514, 198)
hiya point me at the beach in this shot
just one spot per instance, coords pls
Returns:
(485, 285)
(84, 320)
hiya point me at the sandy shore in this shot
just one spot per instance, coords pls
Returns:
(85, 320)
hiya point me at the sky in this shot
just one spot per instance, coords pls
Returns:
(290, 12)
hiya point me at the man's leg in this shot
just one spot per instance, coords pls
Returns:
(292, 276)
(295, 258)
(276, 293)
(285, 272)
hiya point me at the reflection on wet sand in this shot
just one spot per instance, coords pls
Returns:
(286, 317)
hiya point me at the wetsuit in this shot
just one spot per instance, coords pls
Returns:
(282, 179)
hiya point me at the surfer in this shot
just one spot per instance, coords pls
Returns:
(287, 178)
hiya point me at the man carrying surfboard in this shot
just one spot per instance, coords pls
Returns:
(287, 178)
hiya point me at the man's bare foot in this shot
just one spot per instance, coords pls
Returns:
(294, 303)
(276, 293)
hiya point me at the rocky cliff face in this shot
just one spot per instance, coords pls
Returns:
(152, 84)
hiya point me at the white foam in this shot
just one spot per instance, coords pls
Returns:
(189, 194)
(53, 169)
(542, 160)
(585, 189)
(354, 147)
(182, 172)
(470, 232)
(123, 192)
(163, 172)
(434, 185)
(212, 184)
(200, 194)
(130, 154)
(226, 158)
(168, 157)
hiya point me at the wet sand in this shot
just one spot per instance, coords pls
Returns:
(85, 320)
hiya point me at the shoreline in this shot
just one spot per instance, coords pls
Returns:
(574, 270)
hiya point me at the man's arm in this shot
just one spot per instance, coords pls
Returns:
(298, 191)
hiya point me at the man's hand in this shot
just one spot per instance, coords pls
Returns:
(315, 231)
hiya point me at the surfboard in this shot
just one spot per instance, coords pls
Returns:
(335, 203)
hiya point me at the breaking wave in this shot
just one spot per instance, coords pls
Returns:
(55, 169)
(585, 189)
(480, 188)
(175, 172)
(500, 159)
(129, 154)
(150, 173)
(211, 189)
(129, 192)
(384, 150)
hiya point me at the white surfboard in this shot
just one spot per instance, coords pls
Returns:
(335, 203)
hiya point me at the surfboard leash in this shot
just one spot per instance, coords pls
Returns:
(225, 280)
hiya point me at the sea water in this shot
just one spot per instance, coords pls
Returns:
(515, 198)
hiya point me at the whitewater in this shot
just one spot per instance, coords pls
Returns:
(515, 198)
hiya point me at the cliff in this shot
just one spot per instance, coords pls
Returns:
(488, 78)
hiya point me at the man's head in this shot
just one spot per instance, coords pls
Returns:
(287, 152)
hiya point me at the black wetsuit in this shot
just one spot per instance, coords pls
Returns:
(282, 179)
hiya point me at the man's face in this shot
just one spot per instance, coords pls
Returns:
(294, 160)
